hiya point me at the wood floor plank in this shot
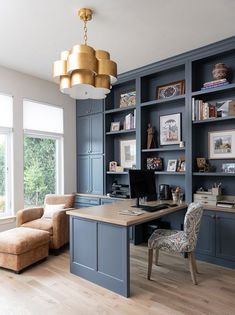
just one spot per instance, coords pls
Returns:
(49, 288)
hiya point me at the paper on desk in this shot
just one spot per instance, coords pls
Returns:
(131, 212)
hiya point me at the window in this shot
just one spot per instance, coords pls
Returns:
(43, 141)
(6, 106)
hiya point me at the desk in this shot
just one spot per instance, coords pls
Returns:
(99, 243)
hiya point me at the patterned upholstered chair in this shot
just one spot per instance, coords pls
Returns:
(178, 241)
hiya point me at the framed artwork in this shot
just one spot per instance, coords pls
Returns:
(181, 166)
(128, 153)
(115, 126)
(228, 167)
(170, 129)
(112, 166)
(155, 163)
(172, 165)
(221, 144)
(170, 90)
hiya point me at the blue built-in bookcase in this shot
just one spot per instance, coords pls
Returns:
(97, 145)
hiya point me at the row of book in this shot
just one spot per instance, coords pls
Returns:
(215, 83)
(203, 110)
(130, 121)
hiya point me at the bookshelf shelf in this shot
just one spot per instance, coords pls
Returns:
(169, 173)
(111, 133)
(165, 100)
(218, 174)
(214, 90)
(162, 150)
(116, 173)
(121, 109)
(213, 120)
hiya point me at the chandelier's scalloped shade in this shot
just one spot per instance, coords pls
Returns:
(84, 72)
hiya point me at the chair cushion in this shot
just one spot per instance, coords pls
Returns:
(169, 240)
(49, 210)
(21, 240)
(40, 224)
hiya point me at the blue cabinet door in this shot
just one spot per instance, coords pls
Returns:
(225, 235)
(83, 135)
(96, 175)
(87, 107)
(206, 238)
(96, 134)
(83, 174)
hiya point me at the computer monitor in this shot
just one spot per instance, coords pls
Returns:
(142, 184)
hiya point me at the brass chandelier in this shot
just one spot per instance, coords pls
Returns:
(83, 72)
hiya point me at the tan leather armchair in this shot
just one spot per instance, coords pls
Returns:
(57, 226)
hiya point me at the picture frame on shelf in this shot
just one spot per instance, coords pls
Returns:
(127, 153)
(128, 99)
(181, 165)
(221, 144)
(115, 126)
(155, 163)
(228, 168)
(170, 129)
(112, 166)
(171, 165)
(170, 89)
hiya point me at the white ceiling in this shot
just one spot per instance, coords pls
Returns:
(135, 32)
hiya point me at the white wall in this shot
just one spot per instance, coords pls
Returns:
(22, 86)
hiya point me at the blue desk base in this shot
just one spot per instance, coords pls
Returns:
(100, 253)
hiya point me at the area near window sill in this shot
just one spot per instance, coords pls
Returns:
(5, 220)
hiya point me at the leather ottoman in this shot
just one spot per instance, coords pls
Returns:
(21, 247)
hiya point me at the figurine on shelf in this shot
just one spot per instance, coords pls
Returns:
(202, 165)
(150, 140)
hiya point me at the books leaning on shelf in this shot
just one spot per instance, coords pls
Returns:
(215, 83)
(130, 121)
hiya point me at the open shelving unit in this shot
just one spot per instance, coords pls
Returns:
(194, 68)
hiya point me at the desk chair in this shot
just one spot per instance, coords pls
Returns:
(178, 241)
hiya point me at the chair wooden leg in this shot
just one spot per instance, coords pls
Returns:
(192, 268)
(194, 262)
(150, 262)
(156, 256)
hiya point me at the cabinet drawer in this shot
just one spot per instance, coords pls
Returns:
(88, 201)
(214, 198)
(105, 201)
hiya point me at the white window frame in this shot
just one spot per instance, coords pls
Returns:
(59, 154)
(8, 162)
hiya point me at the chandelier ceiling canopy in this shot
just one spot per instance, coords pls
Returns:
(84, 72)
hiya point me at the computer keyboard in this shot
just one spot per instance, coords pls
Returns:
(155, 208)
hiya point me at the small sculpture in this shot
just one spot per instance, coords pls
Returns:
(150, 140)
(220, 71)
(202, 165)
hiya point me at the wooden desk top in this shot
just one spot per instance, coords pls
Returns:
(109, 213)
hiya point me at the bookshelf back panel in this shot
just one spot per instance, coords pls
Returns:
(152, 116)
(113, 99)
(150, 83)
(228, 187)
(202, 69)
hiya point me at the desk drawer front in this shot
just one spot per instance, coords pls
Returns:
(89, 201)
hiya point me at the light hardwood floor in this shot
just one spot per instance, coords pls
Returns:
(50, 289)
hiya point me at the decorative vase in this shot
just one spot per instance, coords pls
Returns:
(220, 71)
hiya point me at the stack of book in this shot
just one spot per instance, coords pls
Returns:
(226, 203)
(215, 83)
(130, 121)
